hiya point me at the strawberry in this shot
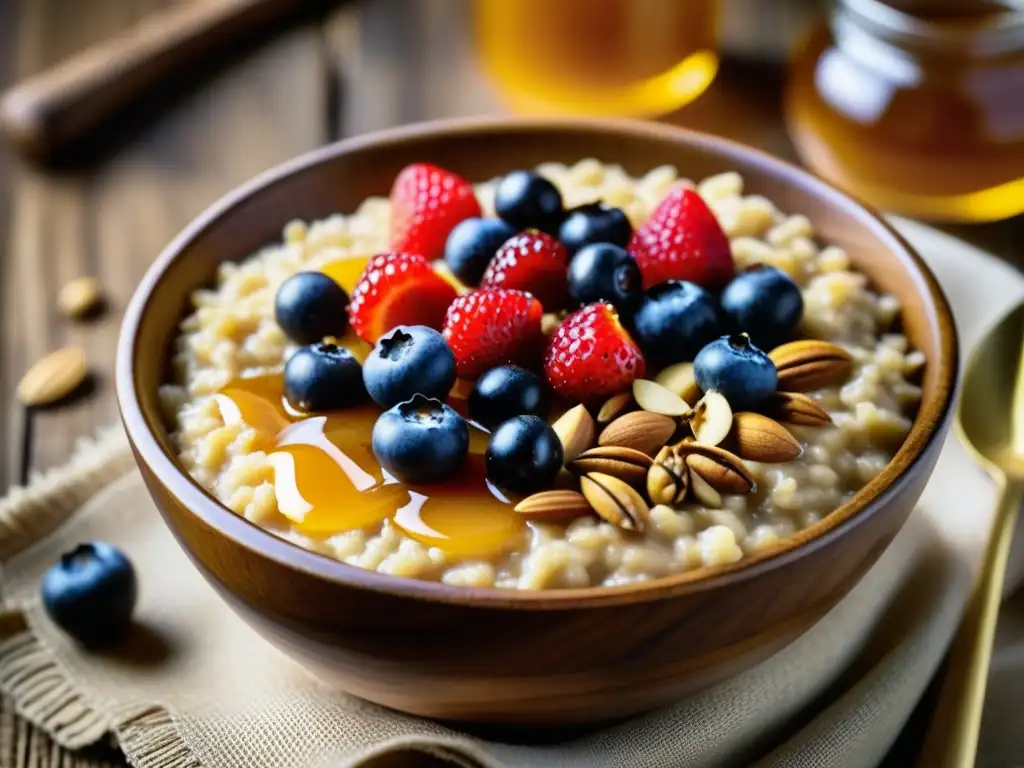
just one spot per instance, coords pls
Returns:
(591, 356)
(531, 261)
(493, 326)
(426, 204)
(682, 240)
(397, 289)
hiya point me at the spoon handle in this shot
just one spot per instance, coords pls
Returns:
(952, 739)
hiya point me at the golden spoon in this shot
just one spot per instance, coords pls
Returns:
(990, 422)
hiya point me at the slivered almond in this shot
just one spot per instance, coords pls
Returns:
(711, 419)
(810, 364)
(554, 505)
(575, 430)
(615, 406)
(758, 438)
(796, 408)
(641, 430)
(703, 491)
(654, 398)
(679, 379)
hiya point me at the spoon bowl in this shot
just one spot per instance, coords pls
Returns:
(990, 419)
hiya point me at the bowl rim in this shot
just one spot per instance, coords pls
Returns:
(928, 425)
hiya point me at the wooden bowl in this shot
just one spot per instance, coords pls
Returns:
(504, 656)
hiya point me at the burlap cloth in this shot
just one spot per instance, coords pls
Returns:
(195, 687)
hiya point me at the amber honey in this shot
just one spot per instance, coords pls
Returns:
(920, 110)
(612, 57)
(327, 479)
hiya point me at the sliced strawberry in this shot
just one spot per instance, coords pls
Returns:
(531, 261)
(398, 289)
(426, 204)
(591, 356)
(682, 240)
(491, 327)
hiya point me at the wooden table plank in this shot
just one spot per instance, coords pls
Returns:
(113, 220)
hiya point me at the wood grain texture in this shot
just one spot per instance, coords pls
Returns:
(110, 221)
(501, 656)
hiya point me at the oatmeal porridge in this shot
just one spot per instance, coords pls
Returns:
(598, 458)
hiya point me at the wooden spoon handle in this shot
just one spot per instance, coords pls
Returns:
(44, 113)
(952, 739)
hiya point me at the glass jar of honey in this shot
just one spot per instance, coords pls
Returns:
(638, 58)
(917, 107)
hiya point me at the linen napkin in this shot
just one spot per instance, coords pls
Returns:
(193, 686)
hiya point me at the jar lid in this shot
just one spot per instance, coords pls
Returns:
(970, 27)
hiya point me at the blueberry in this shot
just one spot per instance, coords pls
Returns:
(407, 360)
(764, 302)
(472, 245)
(594, 223)
(527, 200)
(737, 369)
(675, 321)
(504, 392)
(323, 377)
(420, 440)
(310, 306)
(605, 272)
(90, 593)
(523, 455)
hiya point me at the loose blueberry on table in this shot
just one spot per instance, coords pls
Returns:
(90, 593)
(650, 303)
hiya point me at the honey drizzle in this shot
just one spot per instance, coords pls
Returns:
(327, 479)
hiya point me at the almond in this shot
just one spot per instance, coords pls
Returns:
(81, 297)
(680, 380)
(626, 464)
(575, 429)
(711, 419)
(723, 471)
(703, 492)
(654, 398)
(758, 438)
(614, 501)
(810, 364)
(667, 479)
(554, 505)
(641, 430)
(54, 377)
(796, 408)
(615, 406)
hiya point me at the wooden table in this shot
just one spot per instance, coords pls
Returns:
(365, 66)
